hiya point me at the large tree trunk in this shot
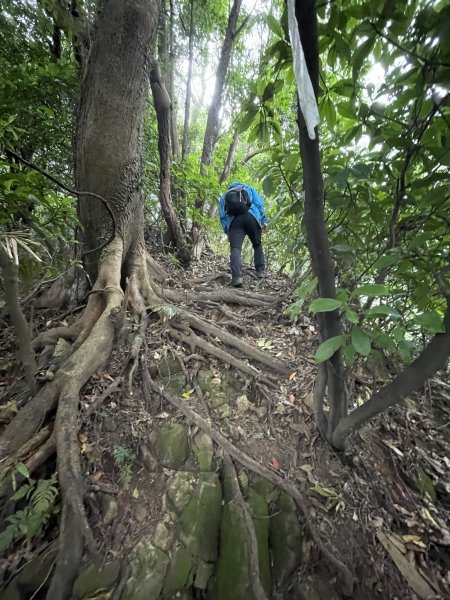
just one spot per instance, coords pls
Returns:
(212, 124)
(109, 127)
(316, 232)
(162, 107)
(108, 163)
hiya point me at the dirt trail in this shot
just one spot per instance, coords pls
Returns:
(381, 508)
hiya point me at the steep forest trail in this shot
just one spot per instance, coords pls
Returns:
(205, 476)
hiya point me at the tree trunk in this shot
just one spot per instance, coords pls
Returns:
(109, 127)
(212, 124)
(230, 157)
(171, 90)
(187, 104)
(107, 162)
(433, 358)
(162, 107)
(226, 170)
(25, 352)
(316, 232)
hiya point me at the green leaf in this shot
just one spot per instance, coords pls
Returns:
(387, 261)
(23, 470)
(405, 349)
(274, 26)
(361, 341)
(247, 120)
(349, 355)
(359, 56)
(324, 305)
(328, 348)
(351, 316)
(383, 309)
(371, 289)
(431, 322)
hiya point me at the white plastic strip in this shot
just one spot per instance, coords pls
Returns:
(305, 89)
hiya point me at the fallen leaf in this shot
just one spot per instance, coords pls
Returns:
(97, 475)
(292, 376)
(410, 572)
(188, 394)
(83, 438)
(414, 539)
(275, 463)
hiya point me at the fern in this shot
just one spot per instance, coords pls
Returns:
(27, 523)
(124, 459)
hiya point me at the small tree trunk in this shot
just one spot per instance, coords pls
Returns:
(230, 157)
(171, 90)
(162, 107)
(25, 353)
(433, 358)
(212, 124)
(187, 104)
(316, 233)
(226, 169)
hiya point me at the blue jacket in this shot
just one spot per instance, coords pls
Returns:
(256, 209)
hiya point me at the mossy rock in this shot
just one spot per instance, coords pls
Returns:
(198, 526)
(230, 385)
(175, 383)
(204, 377)
(232, 580)
(203, 574)
(260, 517)
(180, 488)
(169, 366)
(315, 588)
(285, 539)
(178, 574)
(203, 450)
(172, 446)
(148, 567)
(33, 575)
(162, 537)
(212, 388)
(93, 579)
(265, 488)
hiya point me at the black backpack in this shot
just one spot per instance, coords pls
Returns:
(237, 201)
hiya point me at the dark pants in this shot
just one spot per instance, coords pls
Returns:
(241, 226)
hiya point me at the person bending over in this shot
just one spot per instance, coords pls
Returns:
(242, 213)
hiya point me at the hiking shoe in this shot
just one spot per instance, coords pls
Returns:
(236, 282)
(261, 274)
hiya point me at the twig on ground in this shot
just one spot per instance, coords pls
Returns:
(103, 396)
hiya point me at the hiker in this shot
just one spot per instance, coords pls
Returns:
(242, 213)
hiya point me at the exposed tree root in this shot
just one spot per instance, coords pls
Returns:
(91, 409)
(252, 352)
(94, 352)
(194, 341)
(93, 336)
(51, 336)
(30, 418)
(24, 451)
(224, 295)
(246, 461)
